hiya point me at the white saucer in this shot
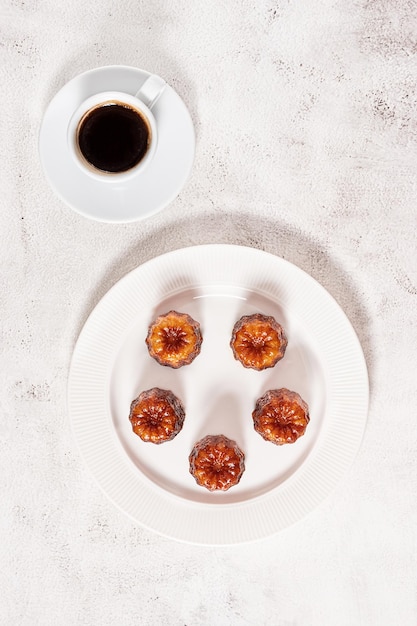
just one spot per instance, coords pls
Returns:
(141, 196)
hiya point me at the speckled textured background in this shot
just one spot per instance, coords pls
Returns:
(305, 115)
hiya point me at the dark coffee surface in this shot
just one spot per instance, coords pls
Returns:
(113, 137)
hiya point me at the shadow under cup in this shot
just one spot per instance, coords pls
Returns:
(113, 137)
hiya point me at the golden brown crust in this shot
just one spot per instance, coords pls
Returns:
(281, 416)
(258, 341)
(174, 339)
(156, 415)
(217, 463)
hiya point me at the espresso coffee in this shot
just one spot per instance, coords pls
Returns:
(113, 137)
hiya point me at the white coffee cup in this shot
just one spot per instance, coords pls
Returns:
(138, 106)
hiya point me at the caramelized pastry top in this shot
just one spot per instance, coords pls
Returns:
(174, 339)
(217, 463)
(258, 341)
(156, 415)
(281, 416)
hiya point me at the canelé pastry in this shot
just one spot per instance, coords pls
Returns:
(174, 339)
(281, 416)
(217, 463)
(258, 341)
(156, 415)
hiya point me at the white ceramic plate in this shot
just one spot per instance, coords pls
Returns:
(146, 193)
(217, 284)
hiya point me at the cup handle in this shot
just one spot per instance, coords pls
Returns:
(151, 90)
